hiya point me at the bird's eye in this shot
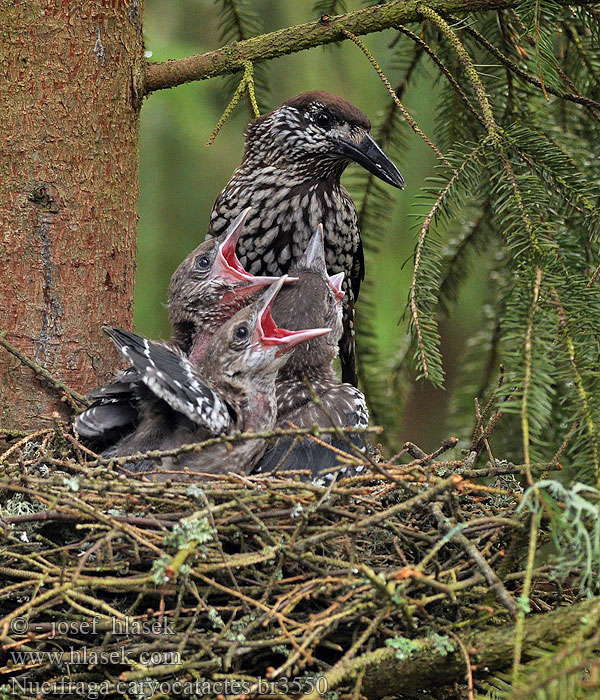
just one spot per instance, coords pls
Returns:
(203, 263)
(240, 333)
(323, 120)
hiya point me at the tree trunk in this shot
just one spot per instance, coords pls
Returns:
(68, 192)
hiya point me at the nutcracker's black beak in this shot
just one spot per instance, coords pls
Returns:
(368, 154)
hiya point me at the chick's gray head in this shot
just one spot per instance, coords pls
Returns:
(315, 300)
(210, 285)
(250, 348)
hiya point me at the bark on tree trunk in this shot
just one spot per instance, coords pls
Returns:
(68, 192)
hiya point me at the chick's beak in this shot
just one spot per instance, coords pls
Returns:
(267, 332)
(228, 267)
(336, 282)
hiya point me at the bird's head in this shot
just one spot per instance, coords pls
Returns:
(321, 132)
(210, 285)
(313, 260)
(251, 346)
(315, 300)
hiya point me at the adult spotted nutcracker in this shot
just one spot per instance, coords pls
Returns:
(233, 391)
(207, 289)
(290, 176)
(308, 390)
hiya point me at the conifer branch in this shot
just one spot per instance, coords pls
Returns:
(527, 376)
(415, 311)
(524, 598)
(471, 72)
(576, 40)
(234, 23)
(405, 113)
(230, 59)
(439, 63)
(580, 385)
(372, 371)
(458, 258)
(494, 132)
(239, 22)
(329, 7)
(524, 75)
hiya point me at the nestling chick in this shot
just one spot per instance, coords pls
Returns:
(308, 390)
(208, 288)
(234, 391)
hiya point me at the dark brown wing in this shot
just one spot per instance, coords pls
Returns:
(352, 284)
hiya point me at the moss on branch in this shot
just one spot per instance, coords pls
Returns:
(430, 665)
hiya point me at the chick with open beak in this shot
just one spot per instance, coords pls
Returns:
(208, 288)
(233, 390)
(308, 390)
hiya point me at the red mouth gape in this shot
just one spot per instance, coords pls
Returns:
(268, 332)
(228, 266)
(231, 259)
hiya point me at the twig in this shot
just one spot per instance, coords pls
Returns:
(57, 384)
(227, 439)
(493, 581)
(11, 433)
(58, 516)
(247, 81)
(467, 658)
(451, 79)
(405, 113)
(423, 458)
(524, 598)
(415, 451)
(527, 374)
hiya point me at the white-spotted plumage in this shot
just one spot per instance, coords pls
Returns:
(171, 377)
(290, 176)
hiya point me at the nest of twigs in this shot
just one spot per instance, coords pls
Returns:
(114, 586)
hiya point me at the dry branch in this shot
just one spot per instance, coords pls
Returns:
(244, 574)
(54, 382)
(490, 650)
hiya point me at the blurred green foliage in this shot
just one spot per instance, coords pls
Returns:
(180, 177)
